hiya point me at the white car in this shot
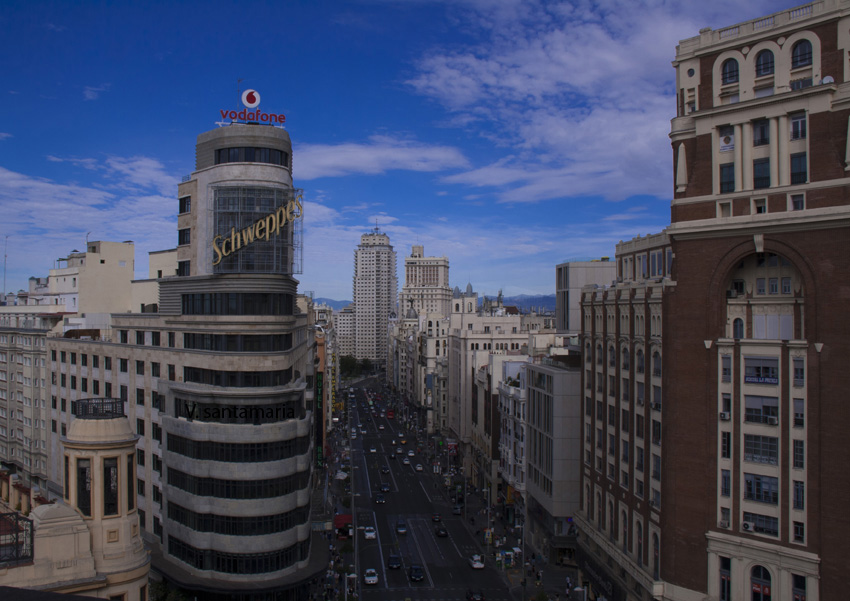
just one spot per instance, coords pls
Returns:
(373, 450)
(419, 467)
(476, 562)
(371, 576)
(369, 532)
(381, 427)
(410, 453)
(406, 461)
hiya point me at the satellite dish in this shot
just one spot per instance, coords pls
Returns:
(828, 79)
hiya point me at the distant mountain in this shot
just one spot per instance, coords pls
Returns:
(525, 302)
(333, 304)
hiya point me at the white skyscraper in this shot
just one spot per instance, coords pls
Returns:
(426, 284)
(375, 290)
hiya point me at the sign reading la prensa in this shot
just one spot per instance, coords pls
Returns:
(262, 229)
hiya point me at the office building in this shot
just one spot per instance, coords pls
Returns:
(570, 278)
(426, 283)
(215, 380)
(757, 327)
(375, 296)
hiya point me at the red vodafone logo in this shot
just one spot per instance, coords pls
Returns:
(250, 98)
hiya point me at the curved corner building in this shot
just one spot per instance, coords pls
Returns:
(233, 517)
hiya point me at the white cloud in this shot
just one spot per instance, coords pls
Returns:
(93, 92)
(4, 136)
(379, 155)
(580, 92)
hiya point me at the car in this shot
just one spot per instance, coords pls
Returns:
(380, 499)
(385, 487)
(436, 517)
(393, 442)
(403, 441)
(441, 531)
(369, 533)
(476, 562)
(406, 461)
(457, 510)
(474, 595)
(371, 576)
(394, 562)
(385, 470)
(410, 453)
(401, 527)
(399, 451)
(401, 435)
(416, 573)
(419, 467)
(381, 427)
(373, 450)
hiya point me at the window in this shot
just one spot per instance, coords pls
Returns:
(798, 202)
(726, 367)
(762, 370)
(140, 427)
(799, 372)
(799, 169)
(656, 467)
(798, 587)
(761, 132)
(727, 178)
(183, 268)
(799, 495)
(725, 483)
(761, 173)
(738, 328)
(763, 524)
(761, 449)
(140, 368)
(140, 337)
(185, 204)
(798, 126)
(799, 454)
(799, 532)
(140, 396)
(730, 71)
(801, 54)
(801, 84)
(725, 579)
(84, 485)
(761, 409)
(773, 286)
(726, 445)
(110, 486)
(799, 413)
(123, 365)
(764, 63)
(140, 457)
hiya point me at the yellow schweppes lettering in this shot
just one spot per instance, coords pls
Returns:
(262, 229)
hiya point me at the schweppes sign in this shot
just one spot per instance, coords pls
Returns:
(262, 229)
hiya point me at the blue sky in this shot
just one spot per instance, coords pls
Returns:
(506, 135)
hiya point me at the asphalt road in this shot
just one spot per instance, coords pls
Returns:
(413, 499)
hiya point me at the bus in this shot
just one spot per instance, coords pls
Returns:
(390, 414)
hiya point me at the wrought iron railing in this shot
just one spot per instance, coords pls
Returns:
(16, 539)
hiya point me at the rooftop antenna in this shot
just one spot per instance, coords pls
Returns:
(5, 256)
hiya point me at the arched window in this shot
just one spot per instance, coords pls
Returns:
(599, 354)
(640, 361)
(600, 512)
(738, 328)
(612, 357)
(611, 519)
(430, 324)
(625, 529)
(656, 552)
(656, 363)
(764, 63)
(639, 530)
(469, 307)
(760, 583)
(801, 54)
(625, 358)
(457, 307)
(587, 352)
(730, 71)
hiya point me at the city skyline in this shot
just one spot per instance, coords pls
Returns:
(450, 125)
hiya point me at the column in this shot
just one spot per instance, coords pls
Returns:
(743, 172)
(774, 152)
(783, 136)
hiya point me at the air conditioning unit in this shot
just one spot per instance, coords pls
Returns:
(772, 421)
(656, 406)
(724, 416)
(725, 523)
(748, 527)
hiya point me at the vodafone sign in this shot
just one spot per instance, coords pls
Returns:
(251, 100)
